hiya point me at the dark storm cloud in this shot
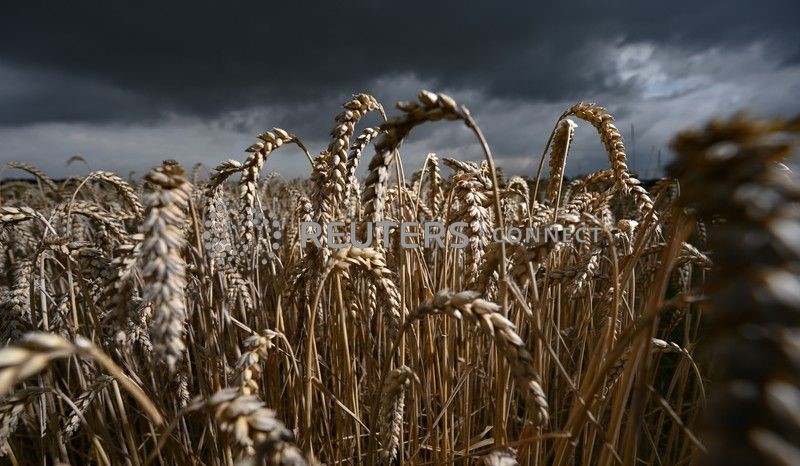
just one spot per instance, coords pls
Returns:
(128, 84)
(100, 61)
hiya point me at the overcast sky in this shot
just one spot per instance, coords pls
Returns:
(128, 86)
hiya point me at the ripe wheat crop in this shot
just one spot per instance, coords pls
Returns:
(183, 319)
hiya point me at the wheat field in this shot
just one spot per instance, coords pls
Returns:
(180, 319)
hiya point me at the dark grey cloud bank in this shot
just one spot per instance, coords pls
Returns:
(126, 85)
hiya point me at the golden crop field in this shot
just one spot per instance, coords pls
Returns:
(186, 319)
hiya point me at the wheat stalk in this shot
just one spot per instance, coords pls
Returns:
(122, 187)
(615, 147)
(432, 107)
(251, 169)
(40, 175)
(373, 263)
(487, 316)
(356, 149)
(248, 367)
(11, 409)
(162, 264)
(16, 305)
(82, 403)
(253, 427)
(559, 150)
(391, 411)
(335, 186)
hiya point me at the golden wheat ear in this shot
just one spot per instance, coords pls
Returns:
(253, 427)
(161, 259)
(391, 410)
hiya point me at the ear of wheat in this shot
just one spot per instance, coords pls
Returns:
(341, 164)
(162, 261)
(391, 413)
(253, 427)
(558, 158)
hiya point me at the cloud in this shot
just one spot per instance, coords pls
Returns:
(127, 87)
(203, 59)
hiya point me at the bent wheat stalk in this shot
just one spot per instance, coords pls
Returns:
(37, 350)
(487, 316)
